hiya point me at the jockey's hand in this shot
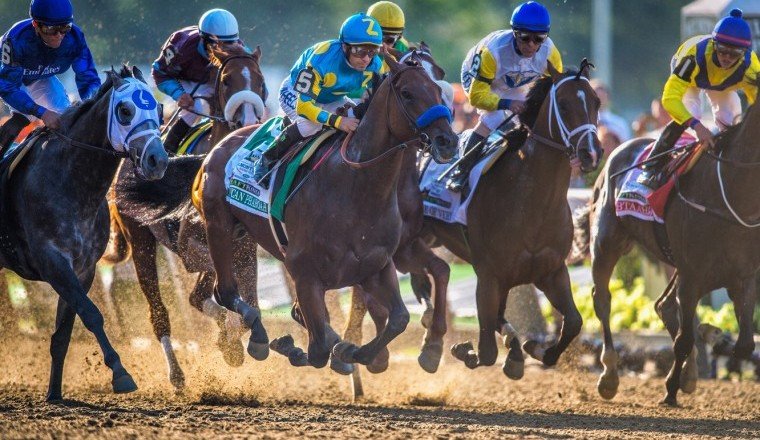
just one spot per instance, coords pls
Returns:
(343, 110)
(704, 135)
(51, 119)
(517, 107)
(348, 124)
(185, 101)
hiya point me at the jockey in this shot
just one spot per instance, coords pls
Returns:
(182, 69)
(391, 19)
(719, 64)
(33, 52)
(320, 80)
(497, 72)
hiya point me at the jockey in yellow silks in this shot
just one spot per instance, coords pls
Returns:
(498, 71)
(720, 64)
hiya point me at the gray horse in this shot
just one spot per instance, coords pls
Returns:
(55, 218)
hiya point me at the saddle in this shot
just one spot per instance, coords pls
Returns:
(679, 163)
(193, 137)
(9, 239)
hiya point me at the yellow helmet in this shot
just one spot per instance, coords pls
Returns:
(390, 16)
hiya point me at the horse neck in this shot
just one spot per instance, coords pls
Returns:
(373, 138)
(543, 161)
(219, 129)
(92, 171)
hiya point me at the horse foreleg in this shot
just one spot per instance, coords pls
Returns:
(688, 297)
(384, 288)
(313, 314)
(557, 289)
(488, 299)
(744, 299)
(144, 257)
(666, 307)
(379, 315)
(59, 345)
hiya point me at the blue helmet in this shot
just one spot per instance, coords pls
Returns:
(530, 17)
(51, 12)
(733, 30)
(361, 29)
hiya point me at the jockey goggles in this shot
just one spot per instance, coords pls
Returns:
(391, 39)
(729, 51)
(361, 52)
(531, 36)
(62, 29)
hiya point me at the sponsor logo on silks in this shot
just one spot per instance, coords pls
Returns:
(144, 100)
(519, 78)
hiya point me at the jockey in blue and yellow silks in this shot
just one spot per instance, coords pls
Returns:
(720, 64)
(498, 71)
(34, 51)
(320, 81)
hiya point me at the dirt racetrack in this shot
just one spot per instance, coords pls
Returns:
(271, 399)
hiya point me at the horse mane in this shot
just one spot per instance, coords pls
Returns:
(217, 56)
(71, 114)
(537, 95)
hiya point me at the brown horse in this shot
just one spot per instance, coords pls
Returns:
(519, 224)
(144, 214)
(713, 242)
(345, 235)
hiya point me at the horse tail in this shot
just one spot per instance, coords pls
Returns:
(118, 249)
(582, 235)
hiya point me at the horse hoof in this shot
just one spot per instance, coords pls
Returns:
(465, 353)
(345, 351)
(283, 344)
(340, 367)
(608, 386)
(54, 397)
(177, 379)
(430, 357)
(258, 350)
(514, 369)
(298, 358)
(427, 318)
(124, 384)
(380, 363)
(669, 401)
(689, 374)
(534, 349)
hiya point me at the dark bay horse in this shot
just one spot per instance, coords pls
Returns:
(412, 255)
(55, 231)
(344, 224)
(519, 224)
(711, 224)
(145, 214)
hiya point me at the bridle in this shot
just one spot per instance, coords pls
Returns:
(429, 116)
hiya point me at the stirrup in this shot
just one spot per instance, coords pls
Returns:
(457, 181)
(650, 179)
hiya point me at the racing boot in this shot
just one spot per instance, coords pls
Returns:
(10, 130)
(176, 134)
(668, 138)
(461, 173)
(287, 138)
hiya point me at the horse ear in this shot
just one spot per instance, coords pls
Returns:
(137, 73)
(125, 72)
(390, 61)
(114, 76)
(257, 53)
(586, 67)
(555, 74)
(424, 47)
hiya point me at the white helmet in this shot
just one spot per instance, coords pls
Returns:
(219, 25)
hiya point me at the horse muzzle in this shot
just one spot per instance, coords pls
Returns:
(150, 159)
(590, 154)
(443, 146)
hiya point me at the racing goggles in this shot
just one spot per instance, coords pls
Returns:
(62, 29)
(363, 51)
(726, 50)
(531, 36)
(391, 39)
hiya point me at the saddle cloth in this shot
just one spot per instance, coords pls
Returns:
(449, 206)
(194, 137)
(640, 201)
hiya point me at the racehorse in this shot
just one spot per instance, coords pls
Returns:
(343, 224)
(56, 232)
(144, 214)
(710, 225)
(519, 227)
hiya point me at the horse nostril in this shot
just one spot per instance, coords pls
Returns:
(441, 140)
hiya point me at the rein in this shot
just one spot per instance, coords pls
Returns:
(89, 147)
(428, 117)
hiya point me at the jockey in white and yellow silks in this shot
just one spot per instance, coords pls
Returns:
(498, 71)
(720, 64)
(320, 81)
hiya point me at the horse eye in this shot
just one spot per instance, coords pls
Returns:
(124, 113)
(406, 95)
